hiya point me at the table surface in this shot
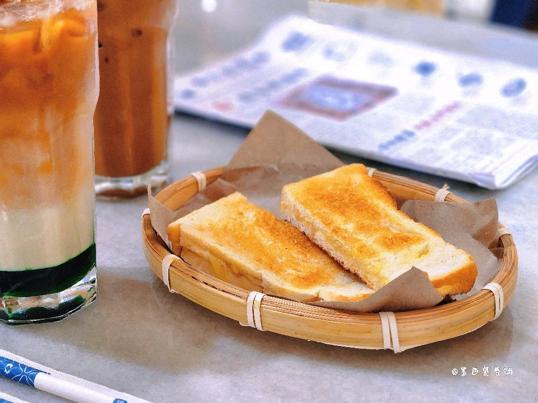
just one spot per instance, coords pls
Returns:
(140, 339)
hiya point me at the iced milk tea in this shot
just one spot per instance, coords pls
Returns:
(48, 93)
(132, 117)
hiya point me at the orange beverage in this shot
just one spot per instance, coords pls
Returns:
(133, 113)
(48, 93)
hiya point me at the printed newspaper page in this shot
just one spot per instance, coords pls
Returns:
(453, 115)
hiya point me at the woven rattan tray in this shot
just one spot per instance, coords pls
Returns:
(331, 326)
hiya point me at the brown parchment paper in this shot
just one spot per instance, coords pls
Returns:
(276, 153)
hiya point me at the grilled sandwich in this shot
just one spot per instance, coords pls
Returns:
(245, 245)
(354, 218)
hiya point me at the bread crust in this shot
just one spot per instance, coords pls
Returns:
(461, 278)
(355, 219)
(245, 245)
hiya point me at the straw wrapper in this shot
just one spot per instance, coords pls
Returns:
(277, 153)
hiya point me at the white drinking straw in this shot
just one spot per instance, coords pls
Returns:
(5, 398)
(23, 371)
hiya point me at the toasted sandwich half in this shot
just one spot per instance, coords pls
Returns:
(248, 246)
(354, 218)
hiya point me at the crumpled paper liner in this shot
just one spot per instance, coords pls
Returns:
(276, 153)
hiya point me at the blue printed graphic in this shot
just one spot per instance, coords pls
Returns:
(470, 79)
(187, 93)
(295, 41)
(425, 69)
(260, 57)
(242, 63)
(229, 70)
(401, 137)
(200, 81)
(273, 84)
(336, 98)
(380, 58)
(252, 62)
(338, 51)
(269, 87)
(18, 372)
(5, 401)
(246, 97)
(333, 99)
(514, 87)
(294, 75)
(119, 401)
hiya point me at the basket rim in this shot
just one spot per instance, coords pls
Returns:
(506, 276)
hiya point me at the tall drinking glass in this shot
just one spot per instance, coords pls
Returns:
(134, 108)
(48, 93)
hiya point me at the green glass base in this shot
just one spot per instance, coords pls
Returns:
(49, 294)
(29, 283)
(50, 307)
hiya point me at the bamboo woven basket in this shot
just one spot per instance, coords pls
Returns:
(325, 325)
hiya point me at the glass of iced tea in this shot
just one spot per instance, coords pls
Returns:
(133, 112)
(48, 94)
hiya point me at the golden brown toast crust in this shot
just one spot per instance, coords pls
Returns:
(244, 219)
(355, 219)
(461, 279)
(242, 236)
(331, 199)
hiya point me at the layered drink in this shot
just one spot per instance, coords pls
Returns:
(133, 111)
(48, 93)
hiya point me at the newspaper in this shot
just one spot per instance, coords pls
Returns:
(448, 114)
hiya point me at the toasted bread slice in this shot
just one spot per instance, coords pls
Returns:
(354, 218)
(248, 246)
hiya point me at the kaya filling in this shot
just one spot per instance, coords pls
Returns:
(47, 87)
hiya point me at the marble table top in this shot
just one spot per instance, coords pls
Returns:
(140, 339)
